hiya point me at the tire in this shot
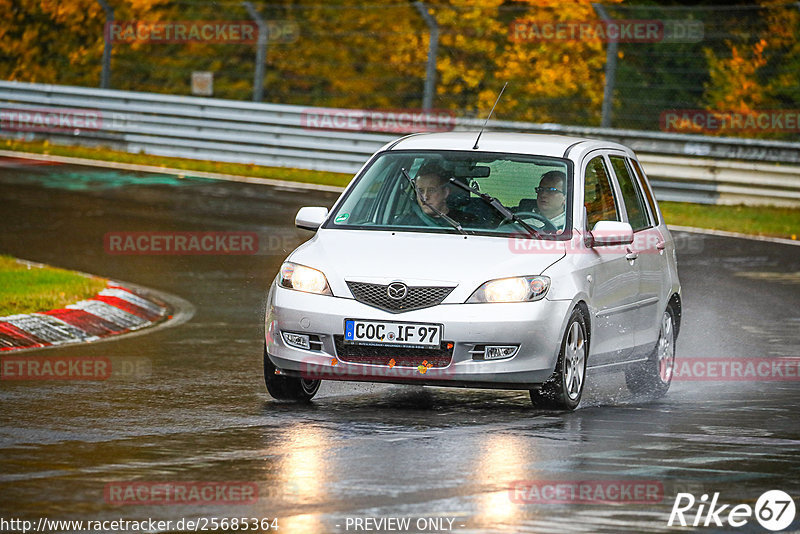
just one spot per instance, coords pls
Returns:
(288, 388)
(564, 389)
(653, 377)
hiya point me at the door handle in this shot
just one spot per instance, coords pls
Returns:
(631, 255)
(661, 245)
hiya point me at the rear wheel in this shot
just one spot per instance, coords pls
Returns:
(563, 390)
(654, 376)
(288, 388)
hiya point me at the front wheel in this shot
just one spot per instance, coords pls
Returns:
(563, 390)
(288, 388)
(654, 376)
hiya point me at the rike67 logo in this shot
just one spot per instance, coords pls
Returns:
(774, 510)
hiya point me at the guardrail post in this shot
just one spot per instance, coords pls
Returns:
(105, 77)
(261, 52)
(433, 47)
(611, 72)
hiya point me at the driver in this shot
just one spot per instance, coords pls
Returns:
(551, 201)
(433, 186)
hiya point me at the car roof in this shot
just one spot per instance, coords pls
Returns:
(508, 142)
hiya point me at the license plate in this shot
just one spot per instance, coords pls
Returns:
(359, 332)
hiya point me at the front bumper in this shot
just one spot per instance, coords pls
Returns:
(536, 327)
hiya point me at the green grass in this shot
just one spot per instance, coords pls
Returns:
(765, 221)
(28, 289)
(756, 220)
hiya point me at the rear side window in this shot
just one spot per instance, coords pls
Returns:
(631, 194)
(597, 194)
(637, 169)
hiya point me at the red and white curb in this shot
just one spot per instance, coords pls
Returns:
(115, 310)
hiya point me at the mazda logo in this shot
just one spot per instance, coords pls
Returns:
(397, 290)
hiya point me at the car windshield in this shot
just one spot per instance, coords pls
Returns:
(468, 192)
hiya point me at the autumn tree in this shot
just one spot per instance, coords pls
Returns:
(50, 41)
(373, 56)
(757, 69)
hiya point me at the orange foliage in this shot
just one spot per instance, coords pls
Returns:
(733, 85)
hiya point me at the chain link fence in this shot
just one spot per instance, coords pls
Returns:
(622, 65)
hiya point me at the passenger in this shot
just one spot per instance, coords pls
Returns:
(551, 200)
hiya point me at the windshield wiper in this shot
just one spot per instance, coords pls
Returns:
(498, 206)
(452, 222)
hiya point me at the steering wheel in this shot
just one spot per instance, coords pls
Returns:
(548, 226)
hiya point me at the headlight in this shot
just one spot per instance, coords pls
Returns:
(302, 278)
(517, 289)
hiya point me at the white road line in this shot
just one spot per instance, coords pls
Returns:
(724, 233)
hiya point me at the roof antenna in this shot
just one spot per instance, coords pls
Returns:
(489, 117)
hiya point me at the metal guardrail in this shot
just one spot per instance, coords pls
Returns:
(681, 167)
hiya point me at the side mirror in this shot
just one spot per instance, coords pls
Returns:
(607, 233)
(310, 218)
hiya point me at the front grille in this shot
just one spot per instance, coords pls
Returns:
(403, 357)
(418, 296)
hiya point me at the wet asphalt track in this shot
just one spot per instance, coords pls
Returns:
(367, 450)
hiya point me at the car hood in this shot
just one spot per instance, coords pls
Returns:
(423, 258)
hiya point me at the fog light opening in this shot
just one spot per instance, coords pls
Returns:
(499, 352)
(300, 341)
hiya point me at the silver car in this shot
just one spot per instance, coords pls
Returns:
(512, 261)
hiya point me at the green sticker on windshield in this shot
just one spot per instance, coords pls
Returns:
(342, 218)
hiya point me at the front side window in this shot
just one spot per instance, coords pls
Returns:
(412, 191)
(648, 193)
(597, 194)
(631, 194)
